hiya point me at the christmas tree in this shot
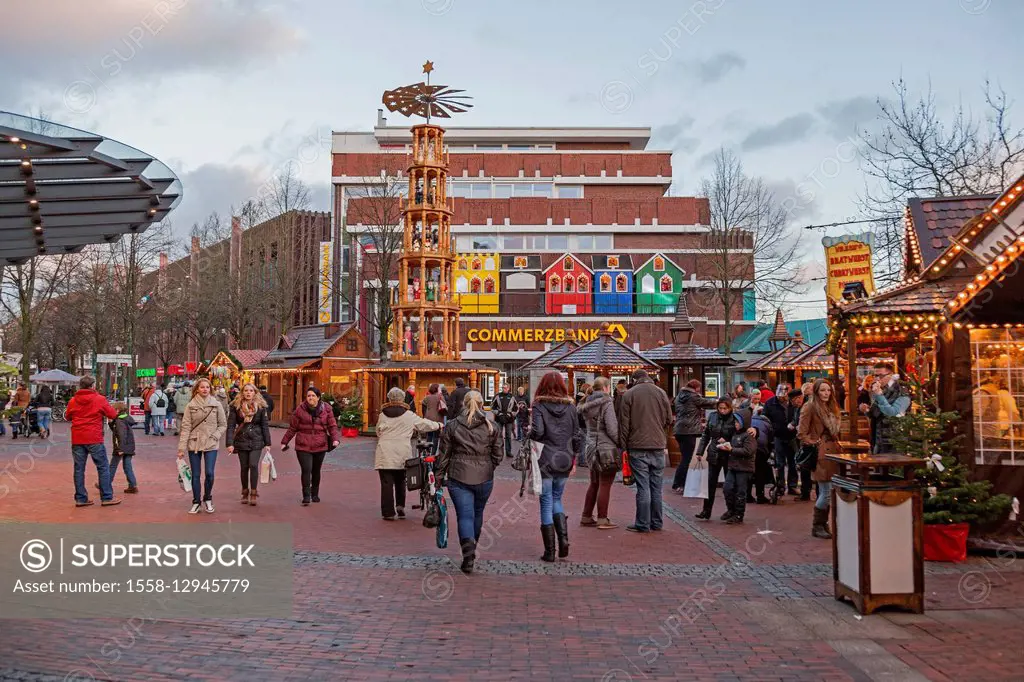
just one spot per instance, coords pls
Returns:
(949, 495)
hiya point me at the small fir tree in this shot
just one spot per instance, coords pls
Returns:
(949, 494)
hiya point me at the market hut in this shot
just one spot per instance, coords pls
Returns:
(659, 281)
(545, 362)
(777, 366)
(604, 356)
(521, 290)
(326, 356)
(568, 287)
(234, 364)
(958, 317)
(613, 284)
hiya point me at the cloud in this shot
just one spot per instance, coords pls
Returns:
(100, 42)
(672, 135)
(213, 187)
(800, 207)
(849, 117)
(789, 129)
(717, 67)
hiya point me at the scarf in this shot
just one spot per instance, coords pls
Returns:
(829, 420)
(247, 408)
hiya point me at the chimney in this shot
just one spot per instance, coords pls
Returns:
(381, 121)
(331, 329)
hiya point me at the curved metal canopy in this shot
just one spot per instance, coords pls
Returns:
(62, 189)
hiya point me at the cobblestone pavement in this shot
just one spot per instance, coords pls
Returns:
(378, 601)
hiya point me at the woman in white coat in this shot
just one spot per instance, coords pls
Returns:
(158, 402)
(396, 427)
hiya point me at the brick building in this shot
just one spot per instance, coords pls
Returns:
(562, 212)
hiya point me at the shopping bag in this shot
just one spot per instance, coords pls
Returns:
(184, 476)
(534, 482)
(268, 470)
(696, 479)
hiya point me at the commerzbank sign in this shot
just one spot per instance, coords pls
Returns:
(540, 334)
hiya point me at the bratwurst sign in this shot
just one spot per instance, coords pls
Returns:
(848, 259)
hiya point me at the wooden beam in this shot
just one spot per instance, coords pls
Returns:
(851, 381)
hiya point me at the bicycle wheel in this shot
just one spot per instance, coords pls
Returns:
(57, 414)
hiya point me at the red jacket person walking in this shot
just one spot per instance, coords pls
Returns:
(86, 411)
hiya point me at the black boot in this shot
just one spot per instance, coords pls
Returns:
(305, 497)
(468, 555)
(315, 494)
(562, 531)
(705, 513)
(548, 533)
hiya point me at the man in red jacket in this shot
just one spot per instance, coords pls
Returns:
(86, 411)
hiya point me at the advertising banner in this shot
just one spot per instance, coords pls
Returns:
(848, 259)
(326, 268)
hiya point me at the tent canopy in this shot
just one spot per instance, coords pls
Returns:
(54, 376)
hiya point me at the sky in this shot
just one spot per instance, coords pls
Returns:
(226, 92)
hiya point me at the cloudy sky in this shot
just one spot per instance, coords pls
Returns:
(226, 91)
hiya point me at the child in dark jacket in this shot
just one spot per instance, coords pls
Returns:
(742, 449)
(123, 447)
(762, 462)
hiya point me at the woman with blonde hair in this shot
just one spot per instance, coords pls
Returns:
(819, 429)
(248, 434)
(202, 425)
(471, 449)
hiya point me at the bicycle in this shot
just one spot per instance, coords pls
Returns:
(431, 495)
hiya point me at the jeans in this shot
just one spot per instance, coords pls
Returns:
(43, 415)
(599, 492)
(687, 444)
(508, 431)
(647, 468)
(714, 472)
(157, 425)
(249, 463)
(98, 453)
(469, 501)
(551, 499)
(202, 460)
(736, 492)
(129, 471)
(146, 422)
(310, 464)
(824, 500)
(785, 461)
(392, 491)
(520, 430)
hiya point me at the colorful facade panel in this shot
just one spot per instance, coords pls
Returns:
(659, 281)
(613, 284)
(477, 278)
(568, 287)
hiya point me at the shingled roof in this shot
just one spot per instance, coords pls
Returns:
(778, 358)
(551, 355)
(934, 221)
(247, 357)
(605, 352)
(779, 331)
(686, 354)
(309, 342)
(681, 327)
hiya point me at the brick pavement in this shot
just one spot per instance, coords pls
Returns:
(377, 600)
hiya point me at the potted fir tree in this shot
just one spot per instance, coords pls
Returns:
(351, 418)
(952, 502)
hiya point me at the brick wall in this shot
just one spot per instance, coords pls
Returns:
(502, 164)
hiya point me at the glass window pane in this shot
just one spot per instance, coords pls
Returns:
(463, 242)
(518, 147)
(538, 241)
(585, 242)
(484, 243)
(459, 189)
(570, 191)
(542, 189)
(516, 241)
(521, 189)
(480, 190)
(502, 191)
(558, 242)
(603, 242)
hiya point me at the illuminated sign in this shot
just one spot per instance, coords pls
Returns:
(326, 268)
(541, 335)
(847, 260)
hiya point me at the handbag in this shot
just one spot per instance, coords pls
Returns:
(602, 459)
(415, 473)
(184, 475)
(521, 459)
(696, 484)
(807, 457)
(534, 478)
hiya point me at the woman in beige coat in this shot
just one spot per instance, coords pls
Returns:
(202, 426)
(396, 427)
(819, 426)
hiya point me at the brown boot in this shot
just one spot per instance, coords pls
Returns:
(819, 526)
(245, 496)
(252, 498)
(606, 524)
(587, 521)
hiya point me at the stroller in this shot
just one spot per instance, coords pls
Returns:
(764, 464)
(25, 422)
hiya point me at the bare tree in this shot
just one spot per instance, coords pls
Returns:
(749, 247)
(162, 334)
(920, 152)
(375, 213)
(284, 192)
(25, 294)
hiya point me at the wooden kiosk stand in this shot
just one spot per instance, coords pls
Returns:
(877, 557)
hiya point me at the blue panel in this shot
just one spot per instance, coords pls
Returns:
(749, 305)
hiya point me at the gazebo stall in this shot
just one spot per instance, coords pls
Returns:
(683, 361)
(544, 363)
(234, 364)
(777, 366)
(604, 356)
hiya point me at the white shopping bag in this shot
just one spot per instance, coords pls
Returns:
(696, 479)
(268, 470)
(535, 484)
(184, 475)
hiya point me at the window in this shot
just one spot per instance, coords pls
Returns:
(659, 264)
(513, 242)
(585, 242)
(521, 189)
(583, 284)
(489, 264)
(461, 285)
(479, 190)
(485, 243)
(621, 283)
(568, 263)
(519, 147)
(554, 284)
(477, 264)
(613, 262)
(570, 191)
(352, 345)
(463, 242)
(502, 190)
(666, 284)
(605, 283)
(474, 286)
(647, 284)
(557, 242)
(458, 189)
(520, 262)
(463, 265)
(603, 242)
(997, 361)
(522, 281)
(568, 284)
(542, 189)
(489, 285)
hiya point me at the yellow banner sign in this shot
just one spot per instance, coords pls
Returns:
(848, 259)
(540, 335)
(326, 272)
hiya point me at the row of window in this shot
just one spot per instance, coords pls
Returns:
(507, 190)
(568, 284)
(466, 147)
(537, 242)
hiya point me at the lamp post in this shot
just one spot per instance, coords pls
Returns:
(117, 374)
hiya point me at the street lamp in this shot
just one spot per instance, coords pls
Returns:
(117, 374)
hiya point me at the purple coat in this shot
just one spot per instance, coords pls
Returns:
(312, 433)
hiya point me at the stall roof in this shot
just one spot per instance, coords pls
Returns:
(778, 359)
(309, 341)
(247, 357)
(931, 222)
(604, 351)
(757, 340)
(286, 363)
(547, 359)
(686, 354)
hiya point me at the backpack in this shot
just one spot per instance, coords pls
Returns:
(161, 402)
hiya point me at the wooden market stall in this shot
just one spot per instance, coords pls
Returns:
(544, 363)
(959, 317)
(777, 366)
(233, 364)
(326, 356)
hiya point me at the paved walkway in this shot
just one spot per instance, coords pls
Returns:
(378, 601)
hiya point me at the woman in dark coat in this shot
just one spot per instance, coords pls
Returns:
(315, 431)
(720, 429)
(689, 407)
(555, 425)
(471, 449)
(602, 434)
(248, 435)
